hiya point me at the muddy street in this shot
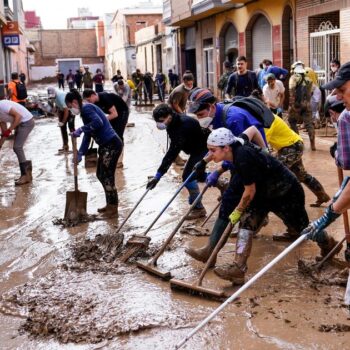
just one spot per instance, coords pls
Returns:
(58, 291)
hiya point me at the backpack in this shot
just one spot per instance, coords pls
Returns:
(255, 107)
(222, 83)
(21, 91)
(302, 92)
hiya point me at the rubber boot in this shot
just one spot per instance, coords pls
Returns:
(236, 272)
(326, 244)
(198, 211)
(317, 189)
(289, 236)
(202, 254)
(110, 211)
(26, 173)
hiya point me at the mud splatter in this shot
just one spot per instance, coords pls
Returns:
(330, 276)
(194, 230)
(338, 327)
(72, 223)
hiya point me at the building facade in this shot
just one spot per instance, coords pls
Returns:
(211, 32)
(63, 50)
(120, 42)
(321, 27)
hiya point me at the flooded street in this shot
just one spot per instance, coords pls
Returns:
(52, 301)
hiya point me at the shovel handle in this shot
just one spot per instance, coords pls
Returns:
(75, 162)
(345, 214)
(210, 215)
(170, 237)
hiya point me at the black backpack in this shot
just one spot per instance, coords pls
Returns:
(21, 91)
(255, 107)
(302, 92)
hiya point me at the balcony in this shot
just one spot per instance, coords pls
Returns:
(185, 12)
(167, 12)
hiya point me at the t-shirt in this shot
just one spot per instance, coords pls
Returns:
(273, 95)
(280, 135)
(271, 178)
(6, 105)
(179, 96)
(12, 85)
(108, 100)
(60, 100)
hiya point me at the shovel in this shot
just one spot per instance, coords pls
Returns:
(151, 267)
(75, 200)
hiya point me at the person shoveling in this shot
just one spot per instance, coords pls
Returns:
(97, 126)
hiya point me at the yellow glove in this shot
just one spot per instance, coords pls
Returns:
(235, 216)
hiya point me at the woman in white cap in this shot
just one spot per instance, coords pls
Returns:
(268, 187)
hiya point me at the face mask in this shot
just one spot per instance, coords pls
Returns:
(187, 88)
(161, 126)
(333, 69)
(75, 111)
(205, 122)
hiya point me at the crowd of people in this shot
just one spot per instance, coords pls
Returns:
(239, 131)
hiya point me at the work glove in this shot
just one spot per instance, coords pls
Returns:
(212, 178)
(152, 183)
(347, 252)
(317, 226)
(199, 167)
(6, 133)
(77, 132)
(333, 149)
(235, 216)
(60, 124)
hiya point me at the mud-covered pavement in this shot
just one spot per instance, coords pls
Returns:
(60, 292)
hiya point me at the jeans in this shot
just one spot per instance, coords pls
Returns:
(69, 122)
(21, 134)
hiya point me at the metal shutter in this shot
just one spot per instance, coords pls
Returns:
(261, 41)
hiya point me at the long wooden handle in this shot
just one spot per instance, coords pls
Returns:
(345, 214)
(75, 161)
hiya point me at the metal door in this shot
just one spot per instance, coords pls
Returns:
(261, 41)
(324, 46)
(65, 65)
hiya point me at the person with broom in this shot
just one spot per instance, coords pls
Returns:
(268, 186)
(185, 135)
(97, 126)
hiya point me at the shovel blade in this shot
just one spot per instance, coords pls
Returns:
(75, 205)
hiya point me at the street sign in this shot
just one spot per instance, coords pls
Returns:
(10, 40)
(10, 28)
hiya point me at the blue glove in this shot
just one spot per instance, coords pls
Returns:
(77, 132)
(152, 183)
(317, 226)
(212, 178)
(227, 165)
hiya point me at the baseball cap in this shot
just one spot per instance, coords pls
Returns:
(334, 104)
(341, 78)
(198, 98)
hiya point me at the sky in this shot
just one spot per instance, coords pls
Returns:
(54, 14)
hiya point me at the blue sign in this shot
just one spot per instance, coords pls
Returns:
(10, 40)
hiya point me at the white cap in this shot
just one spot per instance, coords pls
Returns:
(299, 69)
(222, 137)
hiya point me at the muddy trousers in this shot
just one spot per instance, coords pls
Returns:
(304, 115)
(192, 186)
(21, 134)
(108, 155)
(292, 158)
(70, 122)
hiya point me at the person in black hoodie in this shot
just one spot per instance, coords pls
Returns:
(185, 135)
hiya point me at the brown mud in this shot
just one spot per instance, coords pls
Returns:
(64, 288)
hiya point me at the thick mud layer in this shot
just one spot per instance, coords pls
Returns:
(68, 308)
(195, 230)
(331, 275)
(78, 221)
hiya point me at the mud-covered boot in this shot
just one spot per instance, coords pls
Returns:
(312, 141)
(203, 254)
(198, 211)
(110, 211)
(289, 236)
(317, 189)
(24, 179)
(236, 272)
(28, 169)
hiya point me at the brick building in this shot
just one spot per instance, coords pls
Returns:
(63, 50)
(321, 26)
(120, 42)
(213, 31)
